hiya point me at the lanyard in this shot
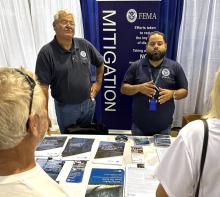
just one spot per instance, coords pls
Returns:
(151, 76)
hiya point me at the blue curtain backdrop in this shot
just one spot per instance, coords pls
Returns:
(91, 33)
(169, 24)
(170, 20)
(90, 22)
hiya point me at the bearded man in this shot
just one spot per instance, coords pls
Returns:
(154, 82)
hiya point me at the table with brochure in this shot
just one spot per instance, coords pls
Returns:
(103, 165)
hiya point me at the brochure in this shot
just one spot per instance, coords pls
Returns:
(140, 181)
(78, 149)
(51, 167)
(151, 156)
(76, 172)
(141, 140)
(51, 146)
(110, 153)
(105, 182)
(137, 154)
(162, 140)
(161, 152)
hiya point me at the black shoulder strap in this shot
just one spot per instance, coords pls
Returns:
(204, 149)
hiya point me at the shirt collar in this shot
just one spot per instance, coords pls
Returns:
(147, 63)
(74, 47)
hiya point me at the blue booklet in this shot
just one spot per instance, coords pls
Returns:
(76, 172)
(105, 182)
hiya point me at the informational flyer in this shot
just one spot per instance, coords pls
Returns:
(105, 182)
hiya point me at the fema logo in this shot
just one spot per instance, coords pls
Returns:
(131, 15)
(165, 72)
(83, 53)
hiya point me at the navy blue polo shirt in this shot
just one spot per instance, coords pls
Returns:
(68, 71)
(171, 77)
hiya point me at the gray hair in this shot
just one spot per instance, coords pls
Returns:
(60, 13)
(14, 105)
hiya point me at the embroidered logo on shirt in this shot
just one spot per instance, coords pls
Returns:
(165, 72)
(83, 53)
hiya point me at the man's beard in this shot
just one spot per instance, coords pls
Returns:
(156, 55)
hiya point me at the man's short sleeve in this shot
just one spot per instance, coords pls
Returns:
(181, 79)
(43, 68)
(96, 58)
(130, 74)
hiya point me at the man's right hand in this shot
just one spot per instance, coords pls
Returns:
(147, 88)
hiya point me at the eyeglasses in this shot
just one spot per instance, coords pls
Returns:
(32, 84)
(66, 22)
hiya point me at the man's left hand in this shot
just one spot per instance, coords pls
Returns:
(95, 89)
(165, 95)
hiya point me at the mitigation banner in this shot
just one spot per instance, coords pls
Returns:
(123, 27)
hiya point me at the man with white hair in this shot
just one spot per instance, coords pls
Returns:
(64, 65)
(23, 123)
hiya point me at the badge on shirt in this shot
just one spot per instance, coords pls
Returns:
(83, 54)
(152, 104)
(165, 72)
